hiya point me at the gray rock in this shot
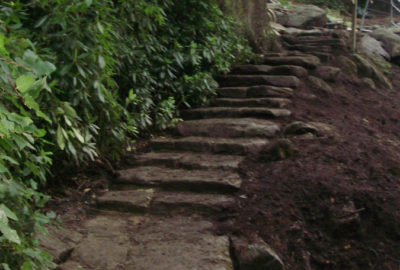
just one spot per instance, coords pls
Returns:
(160, 202)
(372, 47)
(306, 16)
(229, 128)
(319, 84)
(106, 245)
(235, 112)
(188, 179)
(368, 69)
(368, 82)
(347, 65)
(187, 160)
(391, 41)
(255, 255)
(251, 102)
(306, 61)
(269, 70)
(324, 129)
(328, 73)
(60, 242)
(178, 243)
(211, 145)
(281, 17)
(300, 128)
(251, 80)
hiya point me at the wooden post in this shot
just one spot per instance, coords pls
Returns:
(354, 44)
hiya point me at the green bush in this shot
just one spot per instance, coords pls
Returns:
(80, 79)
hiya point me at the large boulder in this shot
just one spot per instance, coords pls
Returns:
(368, 69)
(306, 16)
(372, 47)
(390, 41)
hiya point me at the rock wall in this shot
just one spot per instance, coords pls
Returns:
(253, 14)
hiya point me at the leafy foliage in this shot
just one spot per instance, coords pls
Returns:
(79, 79)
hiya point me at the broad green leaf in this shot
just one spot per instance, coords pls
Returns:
(41, 21)
(100, 95)
(32, 104)
(27, 265)
(3, 169)
(78, 135)
(3, 49)
(102, 63)
(39, 133)
(38, 66)
(10, 214)
(24, 83)
(9, 159)
(44, 68)
(10, 234)
(60, 138)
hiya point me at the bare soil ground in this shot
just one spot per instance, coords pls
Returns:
(336, 203)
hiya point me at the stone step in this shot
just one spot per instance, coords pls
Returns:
(255, 92)
(311, 48)
(187, 160)
(306, 32)
(308, 61)
(235, 112)
(306, 38)
(269, 70)
(251, 102)
(229, 128)
(210, 145)
(315, 41)
(323, 56)
(180, 179)
(161, 202)
(252, 80)
(126, 241)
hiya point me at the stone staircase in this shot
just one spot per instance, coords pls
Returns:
(159, 213)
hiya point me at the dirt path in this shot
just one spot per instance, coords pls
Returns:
(208, 195)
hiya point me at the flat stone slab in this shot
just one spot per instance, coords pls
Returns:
(235, 112)
(210, 145)
(255, 91)
(59, 242)
(134, 200)
(142, 243)
(165, 201)
(312, 48)
(251, 80)
(188, 160)
(192, 180)
(161, 202)
(309, 61)
(251, 102)
(229, 128)
(269, 70)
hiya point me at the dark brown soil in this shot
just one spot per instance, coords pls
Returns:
(336, 203)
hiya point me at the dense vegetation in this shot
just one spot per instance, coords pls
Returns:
(79, 79)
